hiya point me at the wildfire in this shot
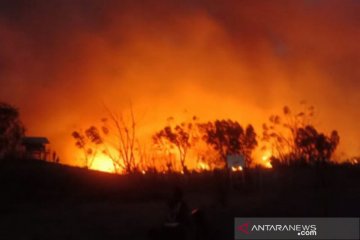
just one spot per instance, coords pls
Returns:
(355, 160)
(236, 169)
(102, 163)
(203, 166)
(266, 159)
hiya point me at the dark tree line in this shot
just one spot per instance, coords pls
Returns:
(11, 131)
(226, 137)
(293, 139)
(315, 147)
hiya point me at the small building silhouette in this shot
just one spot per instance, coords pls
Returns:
(35, 147)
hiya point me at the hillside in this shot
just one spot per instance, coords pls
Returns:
(42, 200)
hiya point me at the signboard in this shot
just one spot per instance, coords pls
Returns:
(235, 161)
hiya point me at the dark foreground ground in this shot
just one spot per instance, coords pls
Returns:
(45, 201)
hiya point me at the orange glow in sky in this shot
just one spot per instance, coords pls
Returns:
(242, 60)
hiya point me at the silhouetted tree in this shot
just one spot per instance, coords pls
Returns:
(293, 139)
(248, 143)
(178, 137)
(11, 130)
(88, 141)
(228, 137)
(315, 147)
(121, 140)
(146, 158)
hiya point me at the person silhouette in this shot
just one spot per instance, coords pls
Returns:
(178, 208)
(177, 220)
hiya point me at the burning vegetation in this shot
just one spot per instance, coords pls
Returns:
(115, 146)
(194, 145)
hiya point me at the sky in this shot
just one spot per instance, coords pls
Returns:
(61, 61)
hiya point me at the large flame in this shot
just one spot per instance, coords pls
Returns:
(103, 163)
(266, 159)
(215, 59)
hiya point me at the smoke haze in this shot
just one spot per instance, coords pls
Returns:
(61, 60)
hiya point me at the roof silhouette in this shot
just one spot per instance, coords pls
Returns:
(35, 140)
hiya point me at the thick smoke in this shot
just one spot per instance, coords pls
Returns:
(61, 60)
